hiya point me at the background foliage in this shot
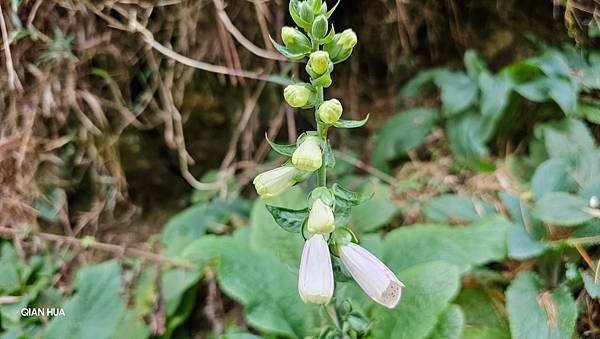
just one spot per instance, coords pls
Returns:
(481, 154)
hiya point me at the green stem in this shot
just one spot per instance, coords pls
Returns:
(322, 173)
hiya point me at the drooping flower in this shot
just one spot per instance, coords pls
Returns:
(308, 156)
(276, 181)
(320, 218)
(375, 279)
(330, 111)
(297, 95)
(315, 282)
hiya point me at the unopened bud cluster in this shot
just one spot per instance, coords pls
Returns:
(312, 153)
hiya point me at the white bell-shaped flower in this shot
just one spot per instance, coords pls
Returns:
(376, 279)
(308, 156)
(315, 282)
(320, 218)
(276, 181)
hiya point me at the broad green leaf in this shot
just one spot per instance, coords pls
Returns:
(288, 53)
(567, 138)
(564, 93)
(282, 149)
(482, 242)
(521, 246)
(414, 85)
(351, 123)
(467, 135)
(402, 133)
(450, 324)
(535, 313)
(485, 317)
(455, 208)
(289, 219)
(474, 64)
(592, 287)
(552, 63)
(562, 209)
(375, 212)
(495, 93)
(521, 214)
(131, 326)
(9, 269)
(268, 290)
(267, 235)
(429, 289)
(551, 176)
(192, 223)
(95, 310)
(458, 91)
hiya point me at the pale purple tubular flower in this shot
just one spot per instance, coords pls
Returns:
(376, 279)
(315, 282)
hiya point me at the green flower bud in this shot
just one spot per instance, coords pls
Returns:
(305, 12)
(321, 193)
(308, 156)
(330, 111)
(319, 27)
(297, 95)
(348, 39)
(319, 62)
(272, 183)
(320, 218)
(293, 38)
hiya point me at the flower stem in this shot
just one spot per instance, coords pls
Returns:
(322, 173)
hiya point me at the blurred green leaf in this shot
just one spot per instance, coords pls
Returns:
(592, 287)
(9, 269)
(551, 176)
(563, 209)
(538, 314)
(447, 208)
(467, 135)
(474, 64)
(375, 212)
(131, 326)
(458, 91)
(402, 133)
(450, 324)
(464, 247)
(484, 317)
(521, 245)
(429, 289)
(96, 309)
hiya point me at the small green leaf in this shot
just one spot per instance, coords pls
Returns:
(551, 176)
(562, 209)
(592, 287)
(458, 91)
(351, 123)
(538, 314)
(330, 12)
(282, 149)
(451, 207)
(287, 52)
(348, 198)
(521, 246)
(293, 9)
(289, 219)
(474, 64)
(328, 156)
